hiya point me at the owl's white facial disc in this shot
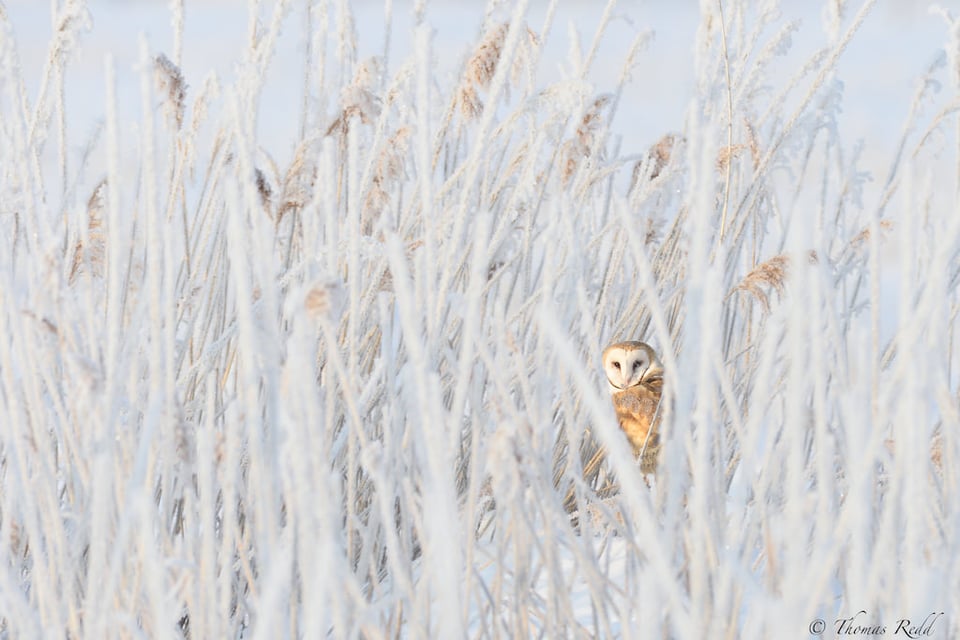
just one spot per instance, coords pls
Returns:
(624, 367)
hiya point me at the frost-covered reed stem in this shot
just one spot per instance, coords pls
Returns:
(473, 164)
(442, 541)
(177, 23)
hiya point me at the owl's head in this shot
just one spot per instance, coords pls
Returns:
(627, 364)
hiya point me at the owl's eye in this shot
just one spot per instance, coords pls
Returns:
(616, 364)
(636, 365)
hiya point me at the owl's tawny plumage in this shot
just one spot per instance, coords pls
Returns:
(635, 376)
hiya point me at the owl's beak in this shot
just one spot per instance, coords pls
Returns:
(613, 386)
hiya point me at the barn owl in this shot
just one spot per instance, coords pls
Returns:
(635, 376)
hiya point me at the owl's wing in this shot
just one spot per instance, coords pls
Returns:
(654, 387)
(640, 399)
(636, 409)
(654, 384)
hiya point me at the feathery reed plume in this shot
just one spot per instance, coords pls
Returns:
(93, 251)
(652, 230)
(389, 169)
(482, 66)
(590, 122)
(19, 546)
(585, 139)
(170, 84)
(325, 301)
(864, 236)
(299, 179)
(264, 191)
(728, 154)
(662, 152)
(73, 17)
(771, 274)
(358, 99)
(936, 449)
(480, 71)
(752, 143)
(657, 158)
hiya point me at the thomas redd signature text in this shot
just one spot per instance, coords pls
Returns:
(860, 624)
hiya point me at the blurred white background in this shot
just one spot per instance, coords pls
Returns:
(880, 68)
